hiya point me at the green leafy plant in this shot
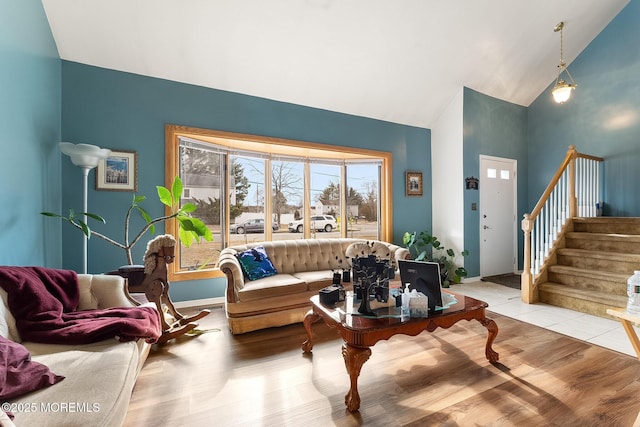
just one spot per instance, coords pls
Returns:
(424, 246)
(190, 229)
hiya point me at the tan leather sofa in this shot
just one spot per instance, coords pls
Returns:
(304, 267)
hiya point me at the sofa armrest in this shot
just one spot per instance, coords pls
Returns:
(401, 253)
(230, 266)
(98, 291)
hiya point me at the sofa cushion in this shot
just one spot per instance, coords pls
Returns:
(19, 374)
(98, 384)
(272, 286)
(315, 280)
(255, 263)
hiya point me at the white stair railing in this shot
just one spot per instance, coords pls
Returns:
(574, 191)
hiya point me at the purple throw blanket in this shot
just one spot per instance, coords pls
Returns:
(43, 302)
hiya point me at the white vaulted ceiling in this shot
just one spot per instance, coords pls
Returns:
(395, 60)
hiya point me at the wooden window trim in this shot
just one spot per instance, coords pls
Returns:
(276, 146)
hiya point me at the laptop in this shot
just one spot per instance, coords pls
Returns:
(423, 277)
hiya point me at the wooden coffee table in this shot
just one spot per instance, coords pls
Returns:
(361, 333)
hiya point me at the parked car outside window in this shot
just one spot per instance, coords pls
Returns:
(318, 222)
(252, 226)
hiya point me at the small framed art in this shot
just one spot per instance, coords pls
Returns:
(414, 183)
(118, 172)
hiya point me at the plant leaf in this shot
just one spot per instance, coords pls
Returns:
(201, 228)
(138, 199)
(186, 223)
(94, 216)
(144, 214)
(85, 229)
(186, 237)
(165, 196)
(51, 214)
(188, 208)
(176, 190)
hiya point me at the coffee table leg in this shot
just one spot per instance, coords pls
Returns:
(354, 358)
(309, 318)
(492, 329)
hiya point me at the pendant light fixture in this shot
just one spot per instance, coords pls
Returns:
(562, 90)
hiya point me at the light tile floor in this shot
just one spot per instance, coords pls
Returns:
(506, 301)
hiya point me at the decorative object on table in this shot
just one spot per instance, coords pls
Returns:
(331, 295)
(86, 156)
(424, 246)
(346, 275)
(371, 278)
(414, 184)
(366, 248)
(418, 304)
(191, 229)
(343, 272)
(337, 278)
(118, 172)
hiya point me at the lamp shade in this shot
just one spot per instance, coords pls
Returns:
(84, 155)
(562, 91)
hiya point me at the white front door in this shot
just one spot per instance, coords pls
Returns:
(498, 243)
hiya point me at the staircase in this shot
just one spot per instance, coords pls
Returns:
(590, 269)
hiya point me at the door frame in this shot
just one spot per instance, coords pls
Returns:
(514, 164)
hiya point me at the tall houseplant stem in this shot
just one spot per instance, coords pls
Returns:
(191, 229)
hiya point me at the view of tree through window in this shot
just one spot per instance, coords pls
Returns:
(229, 184)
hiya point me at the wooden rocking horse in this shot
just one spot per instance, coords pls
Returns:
(155, 286)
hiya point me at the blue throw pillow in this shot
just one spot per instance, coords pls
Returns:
(255, 263)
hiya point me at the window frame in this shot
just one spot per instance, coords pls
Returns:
(264, 144)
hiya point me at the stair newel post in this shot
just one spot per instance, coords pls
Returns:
(526, 279)
(573, 201)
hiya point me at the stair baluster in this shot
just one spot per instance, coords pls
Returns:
(573, 192)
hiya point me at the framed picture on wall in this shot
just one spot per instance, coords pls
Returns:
(118, 172)
(414, 183)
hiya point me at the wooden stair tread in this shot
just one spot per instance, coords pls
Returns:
(593, 274)
(613, 256)
(603, 236)
(591, 264)
(606, 219)
(584, 294)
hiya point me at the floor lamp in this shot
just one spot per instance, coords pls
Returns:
(87, 157)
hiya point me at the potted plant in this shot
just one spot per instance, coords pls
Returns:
(190, 229)
(424, 246)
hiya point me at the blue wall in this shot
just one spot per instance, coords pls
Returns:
(602, 117)
(30, 86)
(493, 128)
(45, 100)
(125, 111)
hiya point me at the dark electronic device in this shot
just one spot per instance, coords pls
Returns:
(423, 277)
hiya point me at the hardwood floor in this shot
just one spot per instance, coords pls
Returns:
(262, 378)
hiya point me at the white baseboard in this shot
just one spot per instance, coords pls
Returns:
(205, 302)
(471, 279)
